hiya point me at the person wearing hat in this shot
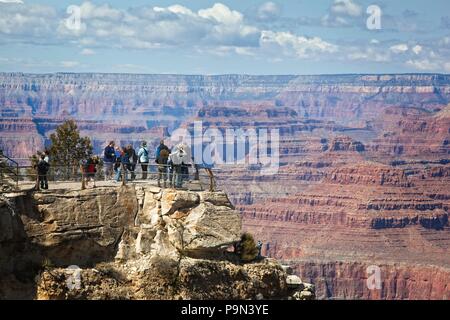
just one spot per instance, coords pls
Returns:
(143, 159)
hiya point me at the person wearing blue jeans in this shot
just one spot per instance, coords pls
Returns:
(123, 162)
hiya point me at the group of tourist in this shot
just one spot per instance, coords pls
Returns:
(173, 165)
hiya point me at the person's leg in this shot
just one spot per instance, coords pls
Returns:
(118, 173)
(133, 171)
(110, 170)
(107, 171)
(125, 169)
(165, 176)
(170, 174)
(174, 177)
(41, 181)
(144, 171)
(45, 182)
(179, 178)
(159, 175)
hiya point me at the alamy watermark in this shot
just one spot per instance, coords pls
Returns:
(73, 280)
(373, 281)
(258, 147)
(73, 22)
(374, 20)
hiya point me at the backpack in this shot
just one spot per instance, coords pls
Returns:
(163, 156)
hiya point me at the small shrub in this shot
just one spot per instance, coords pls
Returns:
(246, 249)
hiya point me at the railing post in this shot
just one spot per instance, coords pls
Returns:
(83, 179)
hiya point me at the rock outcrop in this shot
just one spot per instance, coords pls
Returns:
(131, 242)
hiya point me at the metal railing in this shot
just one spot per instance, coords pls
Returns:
(127, 174)
(8, 168)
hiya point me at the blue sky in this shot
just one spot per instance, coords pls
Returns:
(220, 37)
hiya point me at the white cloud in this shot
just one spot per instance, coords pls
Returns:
(417, 49)
(87, 52)
(368, 54)
(346, 7)
(31, 23)
(177, 9)
(342, 13)
(268, 11)
(11, 1)
(293, 45)
(223, 51)
(423, 65)
(399, 48)
(152, 27)
(69, 64)
(221, 14)
(105, 11)
(216, 29)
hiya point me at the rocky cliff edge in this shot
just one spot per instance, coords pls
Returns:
(132, 242)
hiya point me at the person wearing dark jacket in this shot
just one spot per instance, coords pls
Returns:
(132, 160)
(42, 170)
(161, 147)
(109, 158)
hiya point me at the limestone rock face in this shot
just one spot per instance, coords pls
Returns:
(173, 200)
(208, 227)
(216, 198)
(132, 242)
(186, 221)
(99, 215)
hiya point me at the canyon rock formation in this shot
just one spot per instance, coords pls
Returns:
(130, 242)
(364, 170)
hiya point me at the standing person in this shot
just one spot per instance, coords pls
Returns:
(47, 156)
(185, 161)
(91, 169)
(132, 160)
(161, 146)
(42, 170)
(123, 161)
(180, 159)
(109, 158)
(162, 161)
(143, 159)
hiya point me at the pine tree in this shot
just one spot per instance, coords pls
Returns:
(68, 148)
